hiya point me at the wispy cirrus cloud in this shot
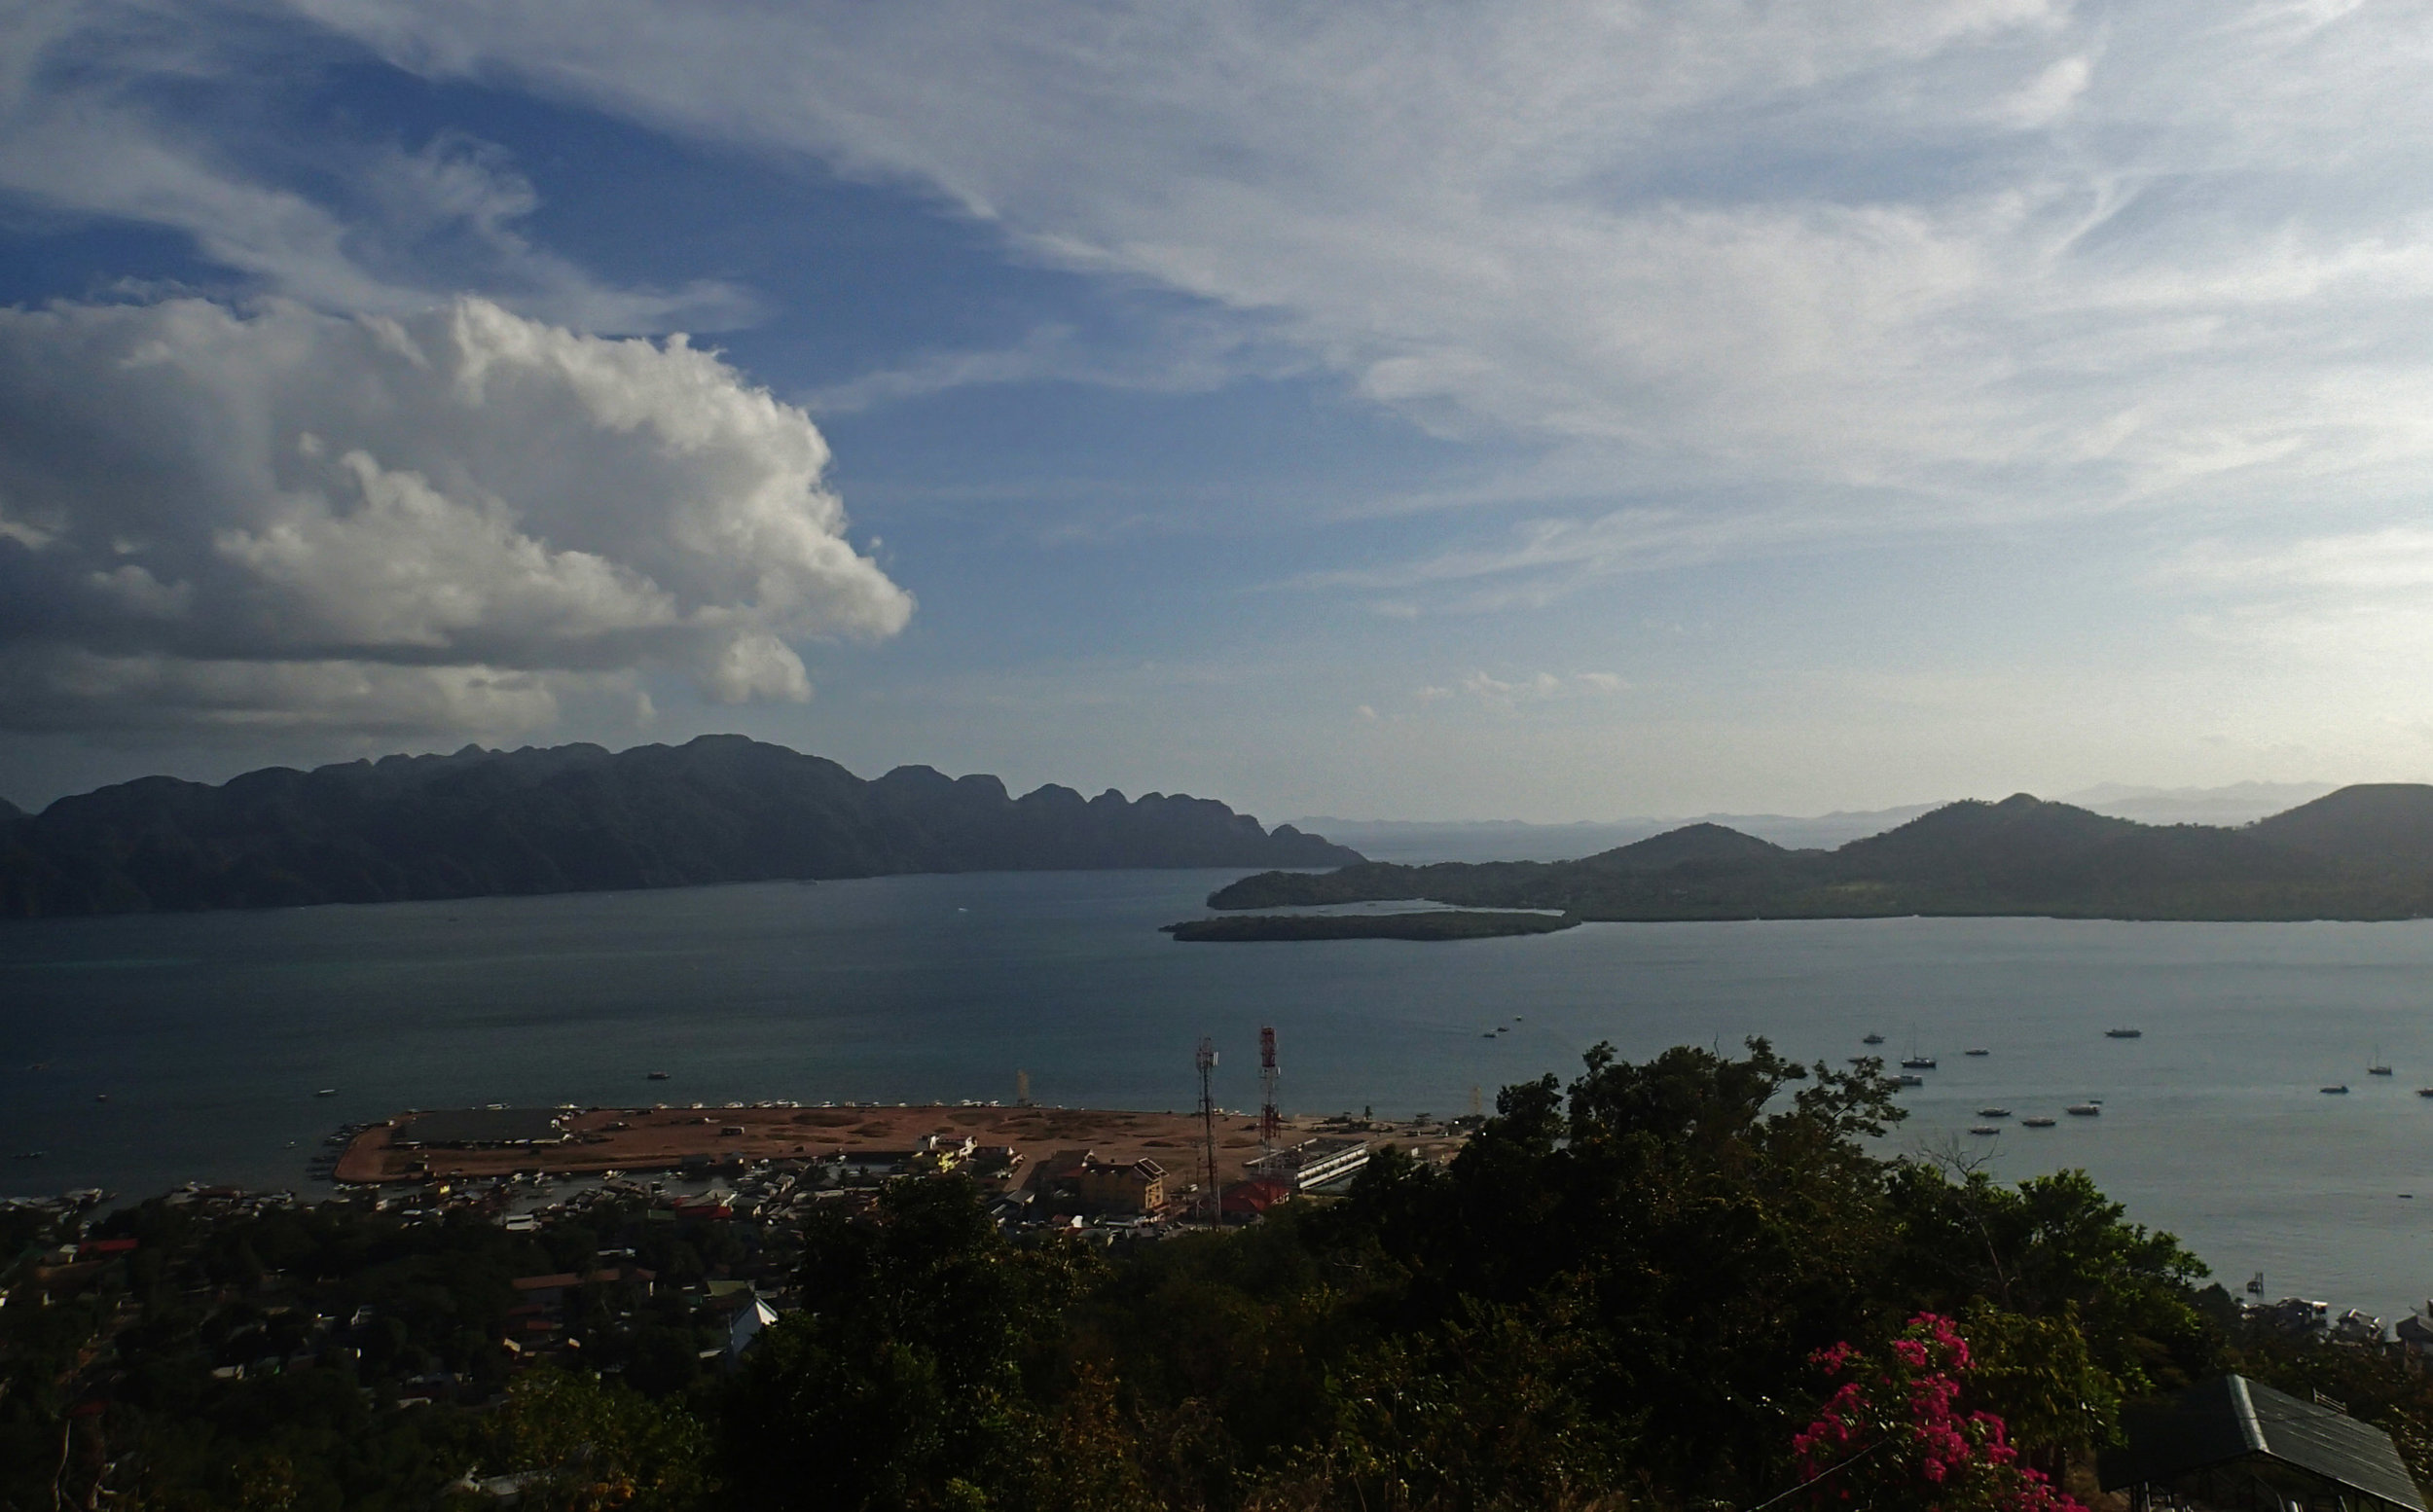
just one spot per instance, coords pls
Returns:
(1968, 250)
(121, 111)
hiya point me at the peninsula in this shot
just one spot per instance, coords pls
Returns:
(2363, 852)
(1420, 924)
(579, 818)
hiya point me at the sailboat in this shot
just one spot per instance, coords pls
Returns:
(2380, 1066)
(1914, 1062)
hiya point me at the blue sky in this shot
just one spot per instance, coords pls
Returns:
(1507, 410)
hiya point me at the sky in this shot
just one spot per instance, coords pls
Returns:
(1511, 409)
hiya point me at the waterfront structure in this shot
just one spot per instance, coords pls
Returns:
(465, 1128)
(1314, 1163)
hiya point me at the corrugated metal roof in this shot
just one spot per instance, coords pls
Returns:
(2227, 1420)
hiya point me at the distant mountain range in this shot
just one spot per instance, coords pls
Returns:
(2360, 853)
(579, 818)
(1510, 839)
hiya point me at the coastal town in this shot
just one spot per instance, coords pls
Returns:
(456, 1249)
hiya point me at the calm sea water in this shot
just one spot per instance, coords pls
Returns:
(210, 1033)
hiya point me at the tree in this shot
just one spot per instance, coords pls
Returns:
(909, 1379)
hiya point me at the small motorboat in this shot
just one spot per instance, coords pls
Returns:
(1983, 1129)
(1873, 1039)
(2337, 1089)
(2036, 1123)
(2125, 1034)
(2084, 1110)
(101, 1097)
(325, 1091)
(1918, 1064)
(1977, 1051)
(2424, 1092)
(657, 1076)
(1908, 1080)
(1993, 1112)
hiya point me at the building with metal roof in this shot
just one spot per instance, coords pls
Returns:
(2234, 1446)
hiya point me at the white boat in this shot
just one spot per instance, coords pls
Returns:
(2036, 1123)
(1908, 1080)
(1983, 1129)
(1993, 1112)
(2084, 1110)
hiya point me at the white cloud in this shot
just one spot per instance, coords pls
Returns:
(1600, 682)
(1968, 255)
(1499, 694)
(88, 128)
(289, 515)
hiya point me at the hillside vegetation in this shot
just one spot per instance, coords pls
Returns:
(2363, 852)
(1649, 1289)
(578, 818)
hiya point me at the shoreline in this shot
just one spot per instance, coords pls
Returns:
(661, 1137)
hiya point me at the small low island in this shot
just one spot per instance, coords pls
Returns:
(1430, 925)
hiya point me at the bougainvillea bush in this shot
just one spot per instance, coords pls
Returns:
(1894, 1434)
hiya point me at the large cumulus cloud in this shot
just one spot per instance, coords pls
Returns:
(441, 521)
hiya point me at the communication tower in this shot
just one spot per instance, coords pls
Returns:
(1270, 1122)
(1206, 1062)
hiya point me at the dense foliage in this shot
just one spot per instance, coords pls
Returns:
(1648, 1287)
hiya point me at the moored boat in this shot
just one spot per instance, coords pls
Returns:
(2084, 1109)
(2036, 1123)
(1993, 1112)
(1873, 1039)
(2125, 1034)
(1918, 1064)
(2337, 1090)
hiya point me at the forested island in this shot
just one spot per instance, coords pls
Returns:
(579, 818)
(1422, 925)
(2363, 852)
(1659, 1286)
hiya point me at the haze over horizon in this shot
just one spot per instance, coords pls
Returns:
(1533, 409)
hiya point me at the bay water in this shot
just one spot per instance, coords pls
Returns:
(140, 1053)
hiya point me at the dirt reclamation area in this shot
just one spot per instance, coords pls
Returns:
(666, 1138)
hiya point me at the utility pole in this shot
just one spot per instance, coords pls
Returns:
(1206, 1062)
(1270, 1122)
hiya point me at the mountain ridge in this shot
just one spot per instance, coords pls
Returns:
(580, 818)
(2363, 852)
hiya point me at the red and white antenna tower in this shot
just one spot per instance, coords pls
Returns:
(1206, 1062)
(1270, 1122)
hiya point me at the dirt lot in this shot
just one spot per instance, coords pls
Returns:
(663, 1139)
